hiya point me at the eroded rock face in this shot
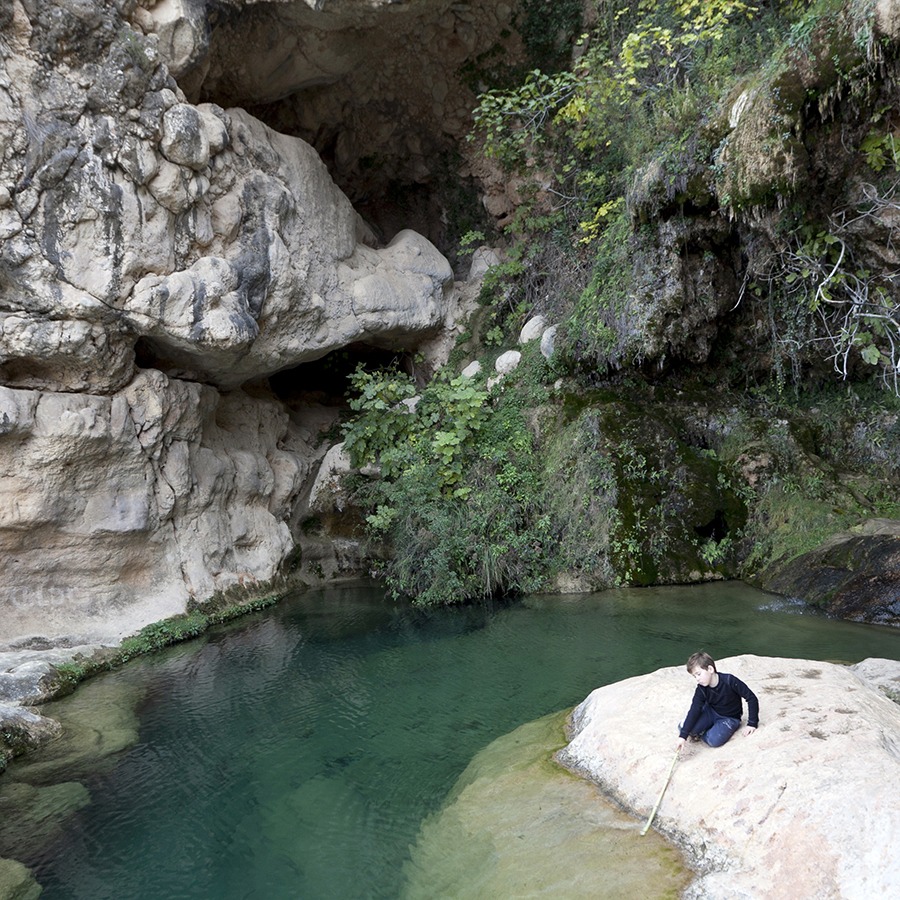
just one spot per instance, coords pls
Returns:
(375, 86)
(796, 809)
(115, 511)
(129, 213)
(155, 257)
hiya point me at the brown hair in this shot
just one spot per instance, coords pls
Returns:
(700, 660)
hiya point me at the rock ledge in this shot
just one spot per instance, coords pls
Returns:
(805, 807)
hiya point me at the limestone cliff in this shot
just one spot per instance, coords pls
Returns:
(159, 259)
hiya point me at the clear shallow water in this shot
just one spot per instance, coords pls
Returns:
(296, 754)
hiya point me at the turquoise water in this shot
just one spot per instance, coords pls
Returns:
(297, 753)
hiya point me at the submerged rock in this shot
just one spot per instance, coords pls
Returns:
(803, 807)
(516, 825)
(16, 881)
(33, 815)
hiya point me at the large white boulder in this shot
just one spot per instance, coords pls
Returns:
(507, 362)
(806, 806)
(533, 329)
(548, 341)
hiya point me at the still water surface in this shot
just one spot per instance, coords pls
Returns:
(296, 753)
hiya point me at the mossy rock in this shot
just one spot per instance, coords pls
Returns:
(33, 815)
(98, 724)
(767, 155)
(644, 497)
(674, 502)
(518, 825)
(17, 882)
(851, 576)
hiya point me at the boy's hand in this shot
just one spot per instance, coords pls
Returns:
(749, 730)
(680, 743)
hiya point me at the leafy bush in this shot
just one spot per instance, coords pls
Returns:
(644, 94)
(459, 497)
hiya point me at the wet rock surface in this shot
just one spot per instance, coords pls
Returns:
(854, 575)
(517, 825)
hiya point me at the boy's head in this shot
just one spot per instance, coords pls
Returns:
(700, 660)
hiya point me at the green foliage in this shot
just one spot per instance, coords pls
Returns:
(403, 439)
(826, 462)
(635, 500)
(511, 122)
(384, 423)
(596, 333)
(643, 95)
(582, 496)
(459, 499)
(469, 241)
(540, 275)
(668, 491)
(879, 146)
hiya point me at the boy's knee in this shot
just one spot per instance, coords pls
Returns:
(721, 732)
(717, 739)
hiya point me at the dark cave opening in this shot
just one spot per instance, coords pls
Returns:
(715, 529)
(325, 381)
(320, 382)
(388, 188)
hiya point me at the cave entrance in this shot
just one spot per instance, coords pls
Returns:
(383, 92)
(325, 381)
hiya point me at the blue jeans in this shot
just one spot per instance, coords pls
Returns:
(715, 729)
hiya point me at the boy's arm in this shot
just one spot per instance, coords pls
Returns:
(752, 702)
(690, 720)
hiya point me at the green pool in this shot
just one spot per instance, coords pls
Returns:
(297, 753)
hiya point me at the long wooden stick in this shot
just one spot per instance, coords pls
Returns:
(646, 828)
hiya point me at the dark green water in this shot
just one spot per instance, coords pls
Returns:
(296, 754)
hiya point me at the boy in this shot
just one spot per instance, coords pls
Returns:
(715, 713)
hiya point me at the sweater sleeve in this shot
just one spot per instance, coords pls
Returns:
(690, 720)
(752, 701)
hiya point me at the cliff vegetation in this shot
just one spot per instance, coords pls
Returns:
(708, 194)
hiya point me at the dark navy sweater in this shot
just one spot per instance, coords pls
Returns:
(725, 699)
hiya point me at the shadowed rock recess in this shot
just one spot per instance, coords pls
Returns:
(164, 252)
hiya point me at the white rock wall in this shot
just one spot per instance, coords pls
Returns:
(116, 510)
(220, 250)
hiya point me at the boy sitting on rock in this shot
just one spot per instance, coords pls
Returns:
(715, 713)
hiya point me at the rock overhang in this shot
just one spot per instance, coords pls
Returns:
(161, 258)
(382, 89)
